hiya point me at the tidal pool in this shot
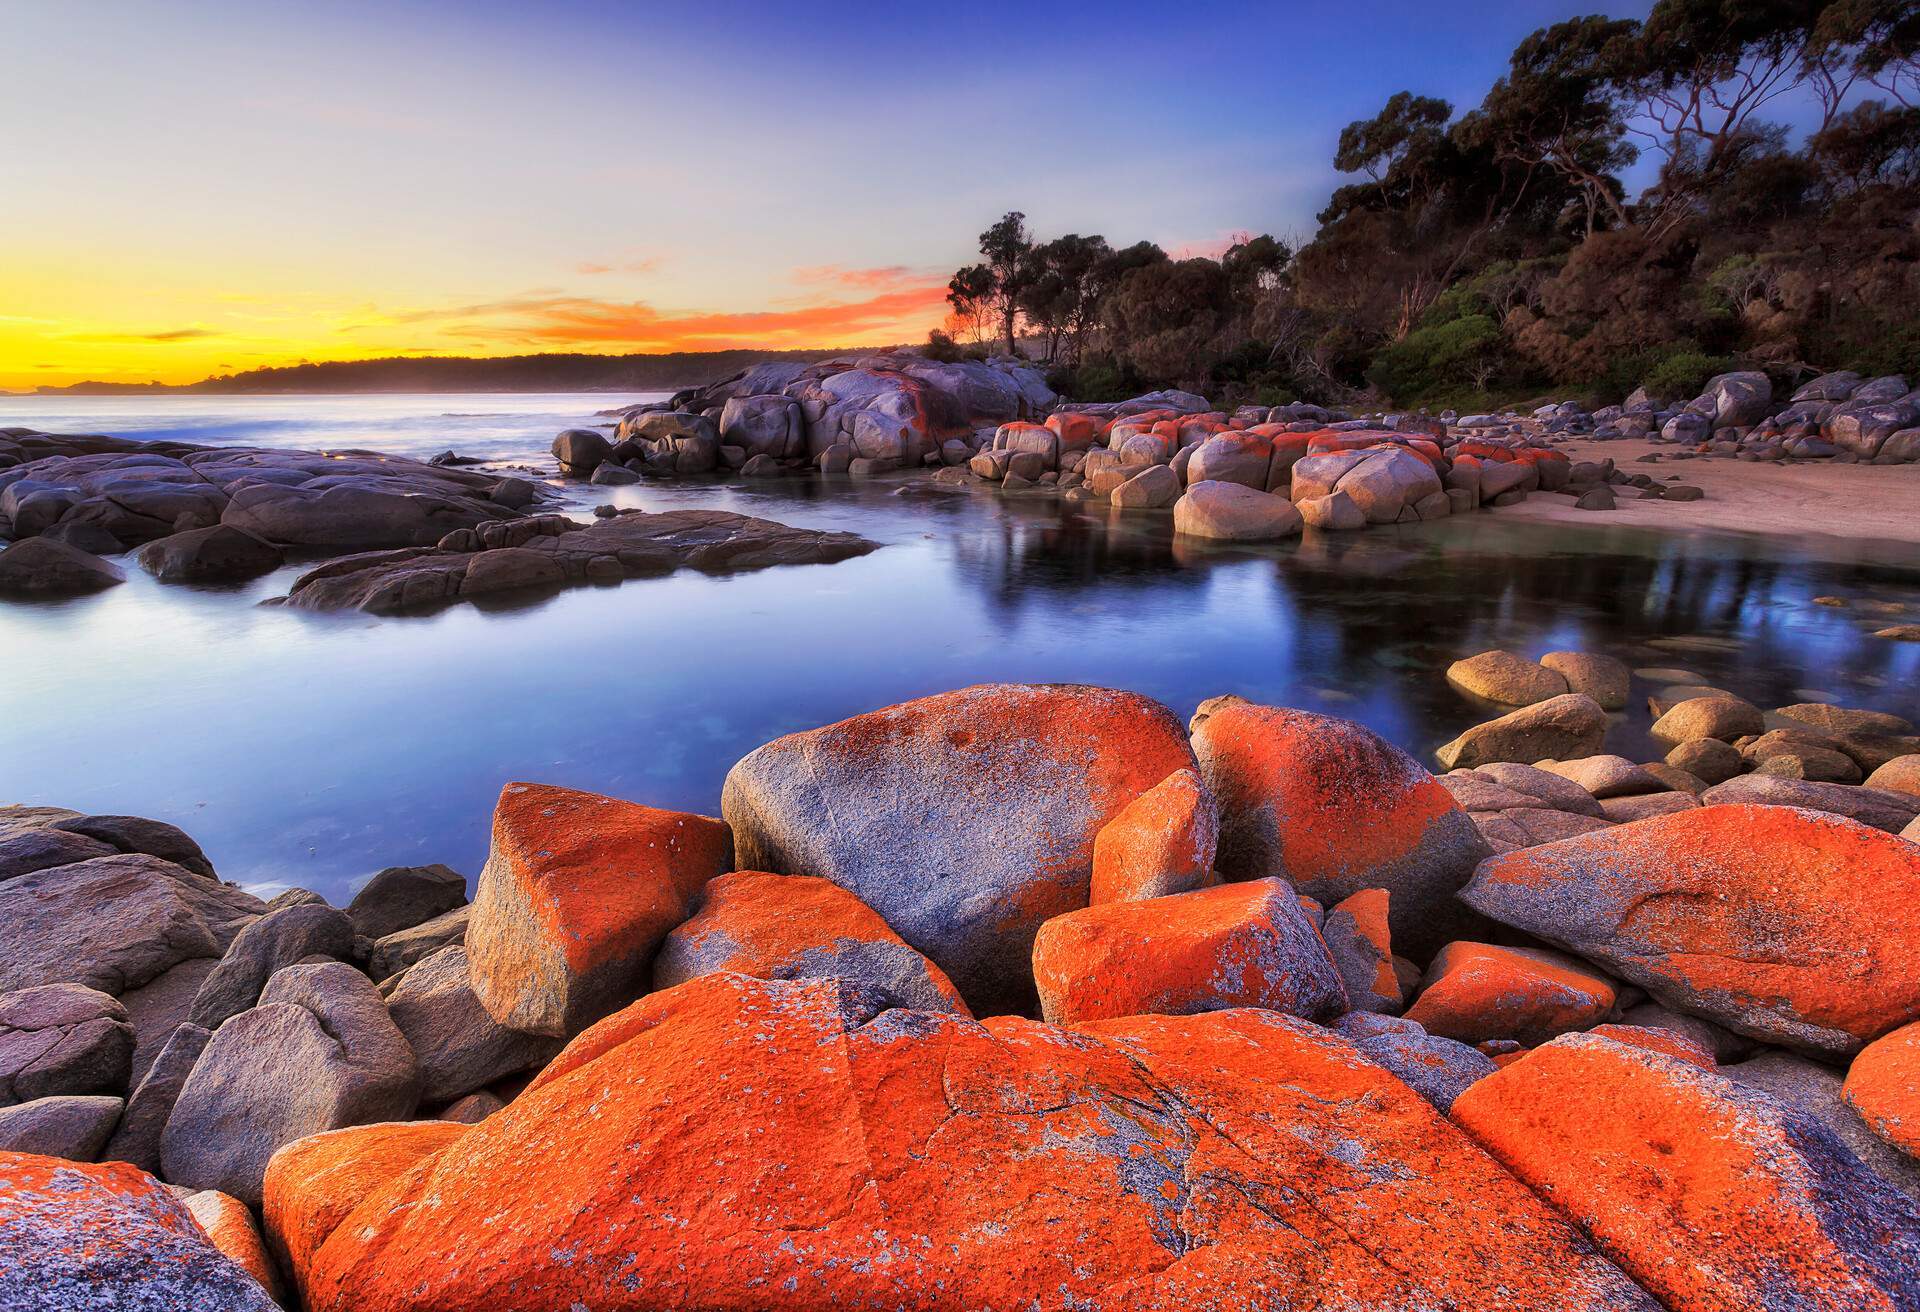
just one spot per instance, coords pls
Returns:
(312, 750)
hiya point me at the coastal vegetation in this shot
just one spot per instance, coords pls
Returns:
(1497, 253)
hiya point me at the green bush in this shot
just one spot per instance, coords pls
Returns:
(1453, 357)
(1679, 375)
(1097, 378)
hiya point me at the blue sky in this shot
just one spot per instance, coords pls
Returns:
(198, 185)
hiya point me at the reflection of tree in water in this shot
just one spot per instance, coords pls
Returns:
(1398, 604)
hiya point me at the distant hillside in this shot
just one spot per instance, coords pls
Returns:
(513, 373)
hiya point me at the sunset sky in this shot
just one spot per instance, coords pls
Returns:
(192, 188)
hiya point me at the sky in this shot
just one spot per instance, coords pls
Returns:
(193, 187)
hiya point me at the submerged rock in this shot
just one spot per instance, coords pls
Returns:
(42, 567)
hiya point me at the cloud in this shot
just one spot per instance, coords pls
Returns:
(887, 276)
(549, 322)
(177, 335)
(651, 264)
(167, 335)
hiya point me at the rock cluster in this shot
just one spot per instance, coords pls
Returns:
(1021, 996)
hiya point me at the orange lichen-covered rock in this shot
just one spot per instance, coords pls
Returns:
(1334, 808)
(1791, 926)
(1669, 1043)
(799, 927)
(1077, 432)
(1235, 945)
(1716, 1197)
(745, 1144)
(109, 1236)
(229, 1225)
(1883, 1084)
(965, 819)
(577, 893)
(1361, 945)
(312, 1184)
(1477, 991)
(1162, 842)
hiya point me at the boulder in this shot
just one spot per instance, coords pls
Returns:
(580, 451)
(1555, 792)
(1241, 458)
(1152, 488)
(1503, 677)
(1333, 808)
(44, 848)
(229, 1227)
(800, 927)
(218, 553)
(1641, 806)
(964, 819)
(277, 939)
(1710, 1194)
(1335, 512)
(137, 1138)
(62, 1039)
(111, 923)
(401, 897)
(1605, 776)
(459, 1048)
(1479, 991)
(42, 567)
(1820, 1092)
(1900, 775)
(735, 1135)
(1437, 1069)
(1708, 759)
(1230, 512)
(1160, 843)
(161, 1006)
(1602, 678)
(1234, 945)
(1883, 1085)
(1570, 725)
(318, 1053)
(1736, 400)
(356, 513)
(772, 426)
(1358, 938)
(74, 1127)
(1870, 806)
(397, 951)
(315, 1183)
(1725, 718)
(1388, 482)
(577, 894)
(109, 1237)
(1785, 925)
(133, 833)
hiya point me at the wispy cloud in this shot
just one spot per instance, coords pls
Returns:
(649, 264)
(886, 276)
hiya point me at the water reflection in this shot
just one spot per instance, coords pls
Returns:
(314, 749)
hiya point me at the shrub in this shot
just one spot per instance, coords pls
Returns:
(1452, 357)
(1678, 375)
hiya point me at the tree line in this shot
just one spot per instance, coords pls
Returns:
(1497, 252)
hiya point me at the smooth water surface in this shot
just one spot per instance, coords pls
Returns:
(312, 750)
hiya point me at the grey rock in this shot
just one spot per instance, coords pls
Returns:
(45, 848)
(1816, 1090)
(459, 1047)
(219, 553)
(75, 1128)
(318, 1053)
(1437, 1069)
(1882, 808)
(161, 1006)
(395, 952)
(42, 567)
(401, 897)
(62, 1039)
(267, 945)
(132, 833)
(1557, 791)
(137, 1139)
(1564, 727)
(580, 451)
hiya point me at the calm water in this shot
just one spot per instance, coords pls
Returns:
(312, 750)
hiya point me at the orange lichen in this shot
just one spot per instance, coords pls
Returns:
(1162, 842)
(1883, 1085)
(1478, 991)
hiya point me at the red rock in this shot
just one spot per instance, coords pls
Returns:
(110, 1237)
(1361, 945)
(577, 893)
(1334, 808)
(965, 819)
(799, 927)
(1162, 842)
(313, 1184)
(1477, 991)
(1076, 431)
(1791, 926)
(1669, 1043)
(744, 1144)
(1236, 945)
(1883, 1084)
(1714, 1196)
(229, 1226)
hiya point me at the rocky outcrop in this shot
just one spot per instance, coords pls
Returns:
(965, 820)
(109, 1236)
(62, 1039)
(577, 894)
(1786, 925)
(856, 1158)
(799, 927)
(549, 553)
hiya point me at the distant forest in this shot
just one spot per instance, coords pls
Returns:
(513, 373)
